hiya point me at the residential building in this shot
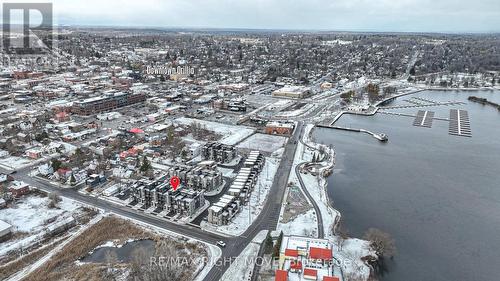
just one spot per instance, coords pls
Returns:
(158, 194)
(224, 210)
(203, 176)
(244, 183)
(218, 152)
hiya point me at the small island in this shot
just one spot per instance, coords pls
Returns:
(484, 101)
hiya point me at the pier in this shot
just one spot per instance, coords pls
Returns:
(422, 105)
(381, 137)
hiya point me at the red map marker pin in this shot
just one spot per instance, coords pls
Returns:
(174, 182)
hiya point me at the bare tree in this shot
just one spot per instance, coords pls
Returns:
(170, 269)
(54, 200)
(381, 242)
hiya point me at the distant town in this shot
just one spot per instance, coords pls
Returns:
(91, 137)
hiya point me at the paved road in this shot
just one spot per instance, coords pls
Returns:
(267, 220)
(268, 217)
(321, 231)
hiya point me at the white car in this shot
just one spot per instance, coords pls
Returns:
(221, 244)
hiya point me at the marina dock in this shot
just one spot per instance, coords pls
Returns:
(424, 118)
(459, 123)
(381, 137)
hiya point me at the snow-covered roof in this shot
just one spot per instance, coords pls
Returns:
(4, 226)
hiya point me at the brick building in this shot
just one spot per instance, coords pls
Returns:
(106, 102)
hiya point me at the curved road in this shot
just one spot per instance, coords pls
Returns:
(321, 232)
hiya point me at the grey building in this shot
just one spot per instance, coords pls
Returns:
(221, 153)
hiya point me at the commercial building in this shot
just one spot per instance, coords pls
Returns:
(232, 105)
(221, 153)
(296, 92)
(106, 102)
(18, 189)
(279, 128)
(158, 194)
(305, 258)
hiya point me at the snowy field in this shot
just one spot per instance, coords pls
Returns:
(264, 142)
(303, 225)
(31, 215)
(231, 134)
(243, 220)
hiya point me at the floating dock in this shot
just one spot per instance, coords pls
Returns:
(459, 123)
(424, 119)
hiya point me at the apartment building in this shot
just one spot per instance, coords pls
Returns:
(158, 194)
(203, 176)
(218, 152)
(239, 192)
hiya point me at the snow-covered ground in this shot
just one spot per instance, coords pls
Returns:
(31, 215)
(227, 172)
(280, 104)
(347, 252)
(14, 162)
(242, 267)
(297, 112)
(305, 224)
(243, 220)
(231, 134)
(264, 142)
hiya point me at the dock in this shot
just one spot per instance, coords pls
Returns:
(459, 123)
(424, 119)
(415, 105)
(381, 137)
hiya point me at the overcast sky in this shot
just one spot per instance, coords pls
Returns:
(349, 15)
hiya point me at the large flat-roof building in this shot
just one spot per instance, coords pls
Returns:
(106, 102)
(295, 92)
(279, 128)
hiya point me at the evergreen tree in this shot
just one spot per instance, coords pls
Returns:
(146, 166)
(72, 180)
(277, 246)
(268, 244)
(56, 164)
